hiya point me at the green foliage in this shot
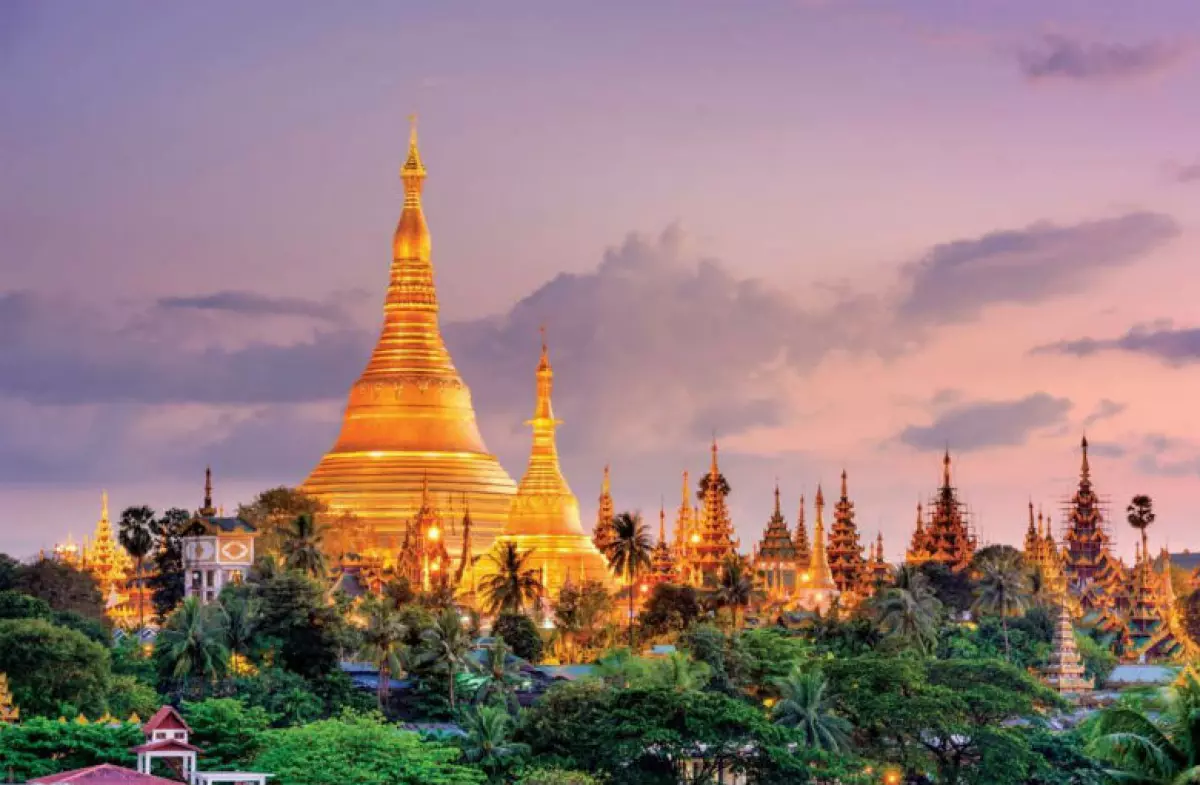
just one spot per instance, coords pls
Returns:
(48, 666)
(1098, 659)
(556, 776)
(709, 645)
(804, 705)
(15, 605)
(273, 510)
(189, 649)
(489, 744)
(1155, 745)
(521, 634)
(61, 586)
(40, 746)
(128, 659)
(127, 695)
(952, 589)
(166, 582)
(640, 735)
(286, 696)
(511, 583)
(229, 731)
(767, 655)
(579, 612)
(8, 572)
(669, 609)
(360, 749)
(93, 629)
(628, 554)
(301, 631)
(302, 546)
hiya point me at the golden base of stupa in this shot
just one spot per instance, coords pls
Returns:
(383, 489)
(562, 557)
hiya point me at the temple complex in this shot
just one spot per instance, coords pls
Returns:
(409, 419)
(946, 536)
(1064, 672)
(775, 559)
(602, 534)
(845, 551)
(544, 514)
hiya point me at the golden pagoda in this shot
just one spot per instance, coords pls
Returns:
(816, 589)
(409, 416)
(775, 555)
(1065, 672)
(947, 537)
(714, 543)
(543, 517)
(663, 566)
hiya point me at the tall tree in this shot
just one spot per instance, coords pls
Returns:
(49, 666)
(63, 587)
(1140, 514)
(275, 510)
(511, 584)
(136, 534)
(908, 611)
(1158, 745)
(804, 704)
(383, 641)
(489, 743)
(1003, 590)
(448, 646)
(239, 617)
(499, 676)
(189, 647)
(736, 587)
(628, 555)
(301, 546)
(167, 581)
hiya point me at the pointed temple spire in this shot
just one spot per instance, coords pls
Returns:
(1065, 671)
(946, 469)
(947, 538)
(845, 552)
(715, 542)
(602, 532)
(208, 511)
(1085, 471)
(775, 560)
(800, 538)
(410, 412)
(544, 517)
(819, 574)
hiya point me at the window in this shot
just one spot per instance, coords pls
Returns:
(208, 578)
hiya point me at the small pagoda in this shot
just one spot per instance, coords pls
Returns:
(775, 556)
(603, 533)
(946, 536)
(800, 539)
(879, 572)
(816, 590)
(1087, 546)
(664, 568)
(1041, 553)
(424, 560)
(1064, 672)
(845, 551)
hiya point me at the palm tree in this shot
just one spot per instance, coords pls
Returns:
(909, 611)
(1003, 589)
(736, 587)
(1159, 746)
(239, 620)
(629, 554)
(449, 644)
(383, 640)
(1140, 514)
(137, 539)
(188, 646)
(803, 704)
(499, 674)
(510, 584)
(302, 546)
(679, 672)
(620, 668)
(489, 743)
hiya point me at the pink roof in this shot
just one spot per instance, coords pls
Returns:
(104, 774)
(166, 745)
(165, 718)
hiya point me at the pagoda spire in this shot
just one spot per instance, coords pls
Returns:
(208, 511)
(819, 574)
(801, 537)
(104, 505)
(662, 522)
(946, 469)
(845, 552)
(778, 513)
(1085, 470)
(602, 532)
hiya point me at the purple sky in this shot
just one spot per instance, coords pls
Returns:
(838, 233)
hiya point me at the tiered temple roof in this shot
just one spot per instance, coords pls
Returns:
(946, 536)
(1041, 553)
(1064, 672)
(664, 568)
(817, 589)
(106, 560)
(775, 556)
(878, 570)
(800, 538)
(715, 543)
(1088, 557)
(602, 534)
(424, 560)
(845, 551)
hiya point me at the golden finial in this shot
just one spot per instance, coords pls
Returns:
(104, 505)
(946, 469)
(412, 165)
(662, 521)
(844, 494)
(777, 511)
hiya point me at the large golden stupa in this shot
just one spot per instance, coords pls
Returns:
(409, 417)
(544, 517)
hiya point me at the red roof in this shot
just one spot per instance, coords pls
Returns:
(165, 718)
(104, 774)
(166, 745)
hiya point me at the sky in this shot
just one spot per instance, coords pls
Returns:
(838, 234)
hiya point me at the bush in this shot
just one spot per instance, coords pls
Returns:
(127, 696)
(48, 666)
(521, 635)
(556, 776)
(40, 746)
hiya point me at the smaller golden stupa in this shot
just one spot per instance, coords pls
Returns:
(544, 516)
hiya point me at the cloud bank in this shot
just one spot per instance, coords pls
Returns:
(983, 424)
(1064, 58)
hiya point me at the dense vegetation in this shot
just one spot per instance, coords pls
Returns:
(903, 689)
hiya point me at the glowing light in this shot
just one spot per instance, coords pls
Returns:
(645, 588)
(434, 533)
(695, 538)
(768, 702)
